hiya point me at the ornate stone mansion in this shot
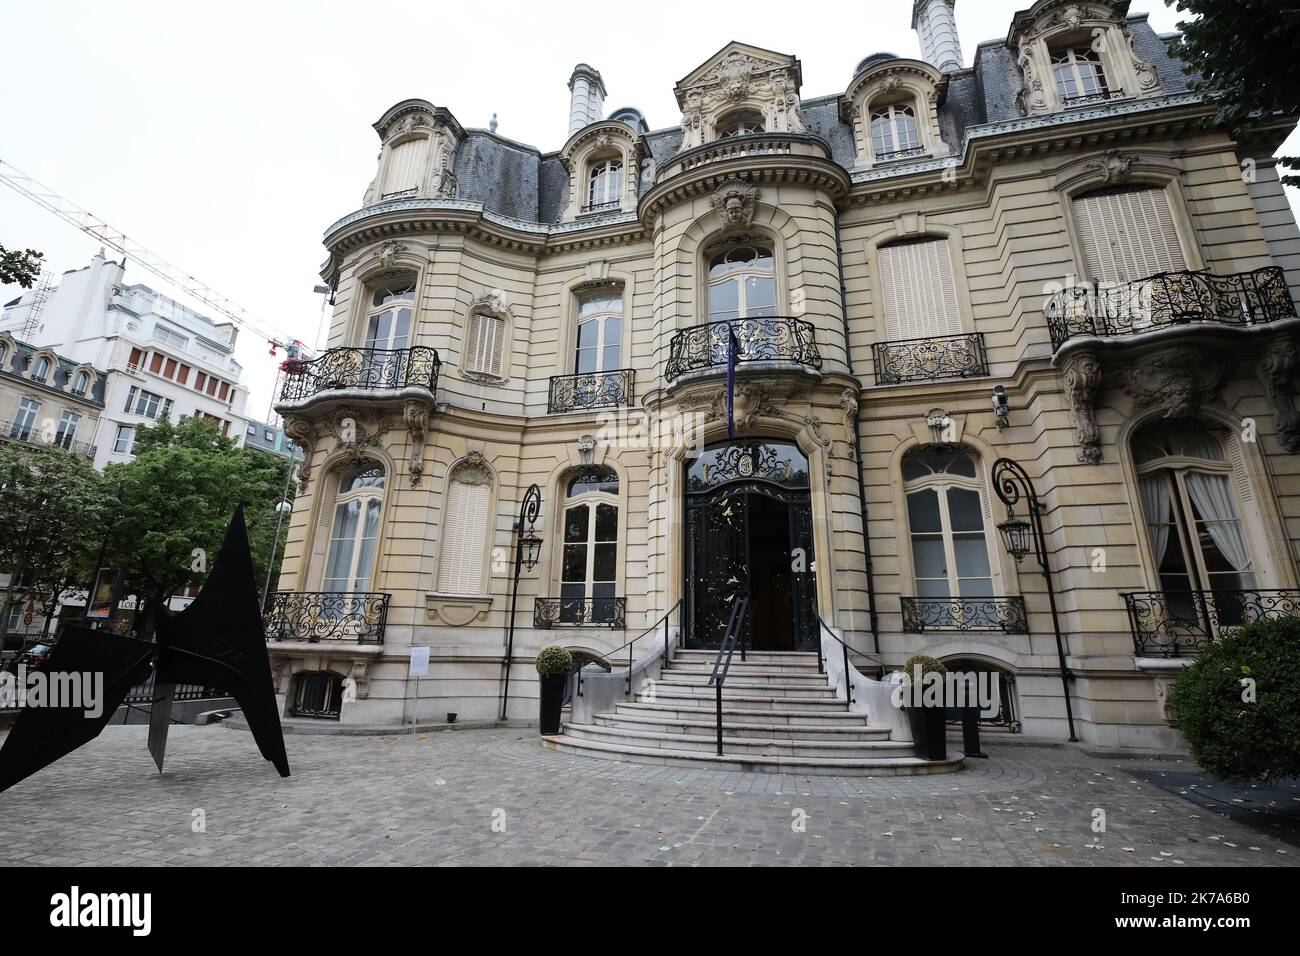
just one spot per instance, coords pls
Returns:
(1046, 256)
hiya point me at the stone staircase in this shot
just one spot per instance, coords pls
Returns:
(779, 715)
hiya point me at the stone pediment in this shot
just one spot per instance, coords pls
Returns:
(735, 68)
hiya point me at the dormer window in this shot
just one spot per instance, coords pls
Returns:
(605, 185)
(40, 369)
(741, 123)
(895, 133)
(80, 384)
(1079, 76)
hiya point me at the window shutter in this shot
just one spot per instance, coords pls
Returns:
(405, 165)
(1128, 234)
(917, 290)
(460, 567)
(485, 343)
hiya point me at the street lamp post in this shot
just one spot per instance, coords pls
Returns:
(1019, 536)
(528, 546)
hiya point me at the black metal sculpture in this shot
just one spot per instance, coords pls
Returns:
(217, 641)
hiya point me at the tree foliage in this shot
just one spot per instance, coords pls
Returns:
(20, 265)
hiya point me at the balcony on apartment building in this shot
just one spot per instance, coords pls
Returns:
(326, 617)
(591, 390)
(924, 614)
(32, 437)
(908, 361)
(774, 343)
(1182, 623)
(360, 373)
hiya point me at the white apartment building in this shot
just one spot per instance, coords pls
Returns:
(162, 357)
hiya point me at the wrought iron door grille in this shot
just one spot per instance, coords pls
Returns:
(375, 369)
(1168, 299)
(1006, 614)
(579, 612)
(1179, 623)
(571, 393)
(927, 359)
(765, 339)
(324, 616)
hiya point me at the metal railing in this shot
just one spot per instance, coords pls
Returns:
(579, 612)
(892, 155)
(33, 437)
(346, 368)
(1100, 96)
(1169, 299)
(1006, 614)
(924, 360)
(758, 339)
(821, 664)
(667, 615)
(733, 635)
(570, 393)
(314, 617)
(601, 206)
(1177, 623)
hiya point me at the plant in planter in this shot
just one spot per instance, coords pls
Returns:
(554, 664)
(925, 713)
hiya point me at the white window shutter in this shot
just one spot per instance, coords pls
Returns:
(917, 290)
(460, 567)
(485, 344)
(1128, 234)
(406, 164)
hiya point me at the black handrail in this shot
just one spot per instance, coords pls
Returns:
(664, 621)
(730, 637)
(821, 669)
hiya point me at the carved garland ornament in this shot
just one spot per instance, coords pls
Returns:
(1082, 379)
(1179, 381)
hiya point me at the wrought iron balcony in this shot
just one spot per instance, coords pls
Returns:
(32, 437)
(1181, 623)
(1169, 299)
(371, 369)
(317, 617)
(924, 360)
(894, 155)
(765, 339)
(1100, 96)
(612, 206)
(579, 612)
(1006, 614)
(572, 393)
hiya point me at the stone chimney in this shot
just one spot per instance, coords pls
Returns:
(936, 24)
(586, 97)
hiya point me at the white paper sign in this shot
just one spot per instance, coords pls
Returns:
(419, 662)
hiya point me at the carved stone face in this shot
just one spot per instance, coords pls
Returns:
(733, 210)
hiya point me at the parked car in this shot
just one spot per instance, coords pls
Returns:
(35, 657)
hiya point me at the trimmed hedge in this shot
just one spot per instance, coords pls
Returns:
(1232, 736)
(554, 661)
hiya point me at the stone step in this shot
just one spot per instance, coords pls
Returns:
(731, 713)
(733, 728)
(802, 658)
(812, 680)
(807, 766)
(689, 697)
(742, 687)
(740, 746)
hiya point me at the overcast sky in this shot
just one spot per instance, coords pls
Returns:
(226, 137)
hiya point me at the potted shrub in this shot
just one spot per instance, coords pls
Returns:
(1238, 703)
(554, 664)
(926, 719)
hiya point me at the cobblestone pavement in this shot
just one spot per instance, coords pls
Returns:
(433, 799)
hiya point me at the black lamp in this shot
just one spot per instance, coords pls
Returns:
(530, 549)
(1016, 534)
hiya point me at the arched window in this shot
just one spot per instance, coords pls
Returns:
(895, 133)
(945, 518)
(742, 281)
(485, 340)
(605, 184)
(740, 123)
(600, 331)
(80, 384)
(465, 530)
(1079, 75)
(40, 369)
(388, 320)
(1193, 520)
(589, 556)
(354, 534)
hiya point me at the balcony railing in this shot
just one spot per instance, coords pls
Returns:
(346, 368)
(572, 393)
(1006, 614)
(579, 612)
(924, 360)
(327, 617)
(766, 339)
(1099, 96)
(894, 155)
(1169, 299)
(611, 206)
(32, 436)
(1181, 623)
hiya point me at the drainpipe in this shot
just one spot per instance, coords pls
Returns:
(857, 450)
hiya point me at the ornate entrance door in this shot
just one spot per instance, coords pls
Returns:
(749, 533)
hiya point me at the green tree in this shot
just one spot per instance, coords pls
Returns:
(54, 503)
(1246, 55)
(174, 501)
(21, 266)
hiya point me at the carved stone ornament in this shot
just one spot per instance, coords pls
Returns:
(388, 252)
(586, 449)
(494, 302)
(735, 75)
(1277, 370)
(1082, 380)
(354, 432)
(304, 434)
(1114, 166)
(849, 402)
(1179, 380)
(473, 469)
(734, 202)
(416, 415)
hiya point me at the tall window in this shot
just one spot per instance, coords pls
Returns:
(41, 369)
(589, 564)
(1078, 74)
(80, 383)
(1190, 505)
(388, 321)
(141, 402)
(464, 531)
(124, 443)
(406, 163)
(24, 420)
(742, 282)
(605, 185)
(67, 429)
(895, 133)
(950, 550)
(600, 331)
(354, 536)
(917, 290)
(485, 341)
(1128, 234)
(740, 123)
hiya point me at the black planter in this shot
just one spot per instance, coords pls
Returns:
(552, 703)
(928, 732)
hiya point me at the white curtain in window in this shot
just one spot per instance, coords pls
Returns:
(1212, 496)
(917, 289)
(1128, 234)
(1155, 503)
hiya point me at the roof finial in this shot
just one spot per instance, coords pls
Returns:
(492, 126)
